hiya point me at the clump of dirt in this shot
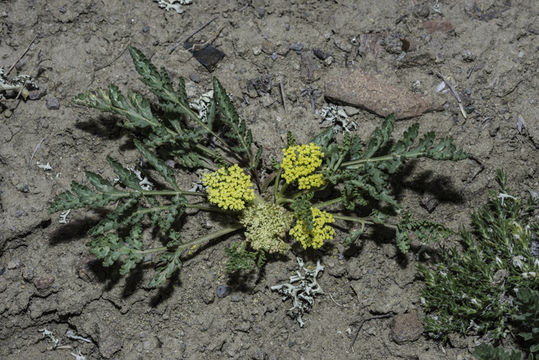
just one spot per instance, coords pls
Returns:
(47, 279)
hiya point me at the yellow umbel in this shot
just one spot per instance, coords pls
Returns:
(229, 188)
(300, 162)
(320, 232)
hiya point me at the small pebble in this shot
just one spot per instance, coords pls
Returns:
(429, 202)
(320, 54)
(223, 291)
(37, 94)
(145, 28)
(296, 47)
(195, 77)
(44, 282)
(421, 10)
(257, 50)
(24, 188)
(274, 56)
(260, 12)
(2, 270)
(468, 56)
(53, 103)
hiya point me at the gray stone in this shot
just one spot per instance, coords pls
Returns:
(53, 103)
(296, 47)
(350, 110)
(429, 202)
(421, 10)
(195, 77)
(223, 291)
(37, 94)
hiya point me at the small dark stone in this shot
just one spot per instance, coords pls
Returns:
(321, 54)
(223, 291)
(53, 103)
(208, 56)
(195, 77)
(19, 213)
(2, 270)
(37, 94)
(296, 47)
(274, 56)
(429, 202)
(260, 12)
(24, 188)
(145, 28)
(469, 109)
(62, 10)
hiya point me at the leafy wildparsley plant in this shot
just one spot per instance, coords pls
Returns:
(314, 186)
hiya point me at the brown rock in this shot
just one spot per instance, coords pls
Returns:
(438, 26)
(406, 328)
(359, 89)
(44, 282)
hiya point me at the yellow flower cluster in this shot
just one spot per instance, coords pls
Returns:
(299, 163)
(318, 234)
(229, 188)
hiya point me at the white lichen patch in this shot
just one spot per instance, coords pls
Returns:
(302, 289)
(175, 5)
(335, 116)
(202, 105)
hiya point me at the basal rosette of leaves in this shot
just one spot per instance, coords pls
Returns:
(296, 200)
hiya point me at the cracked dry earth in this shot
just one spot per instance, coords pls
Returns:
(487, 48)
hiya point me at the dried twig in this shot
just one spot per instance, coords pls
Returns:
(196, 47)
(455, 93)
(20, 57)
(336, 303)
(362, 322)
(35, 151)
(193, 34)
(112, 61)
(311, 93)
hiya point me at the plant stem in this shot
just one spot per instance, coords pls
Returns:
(353, 218)
(276, 186)
(205, 208)
(355, 163)
(197, 241)
(266, 184)
(329, 202)
(190, 206)
(171, 193)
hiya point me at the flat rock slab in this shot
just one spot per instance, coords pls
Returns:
(406, 328)
(356, 88)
